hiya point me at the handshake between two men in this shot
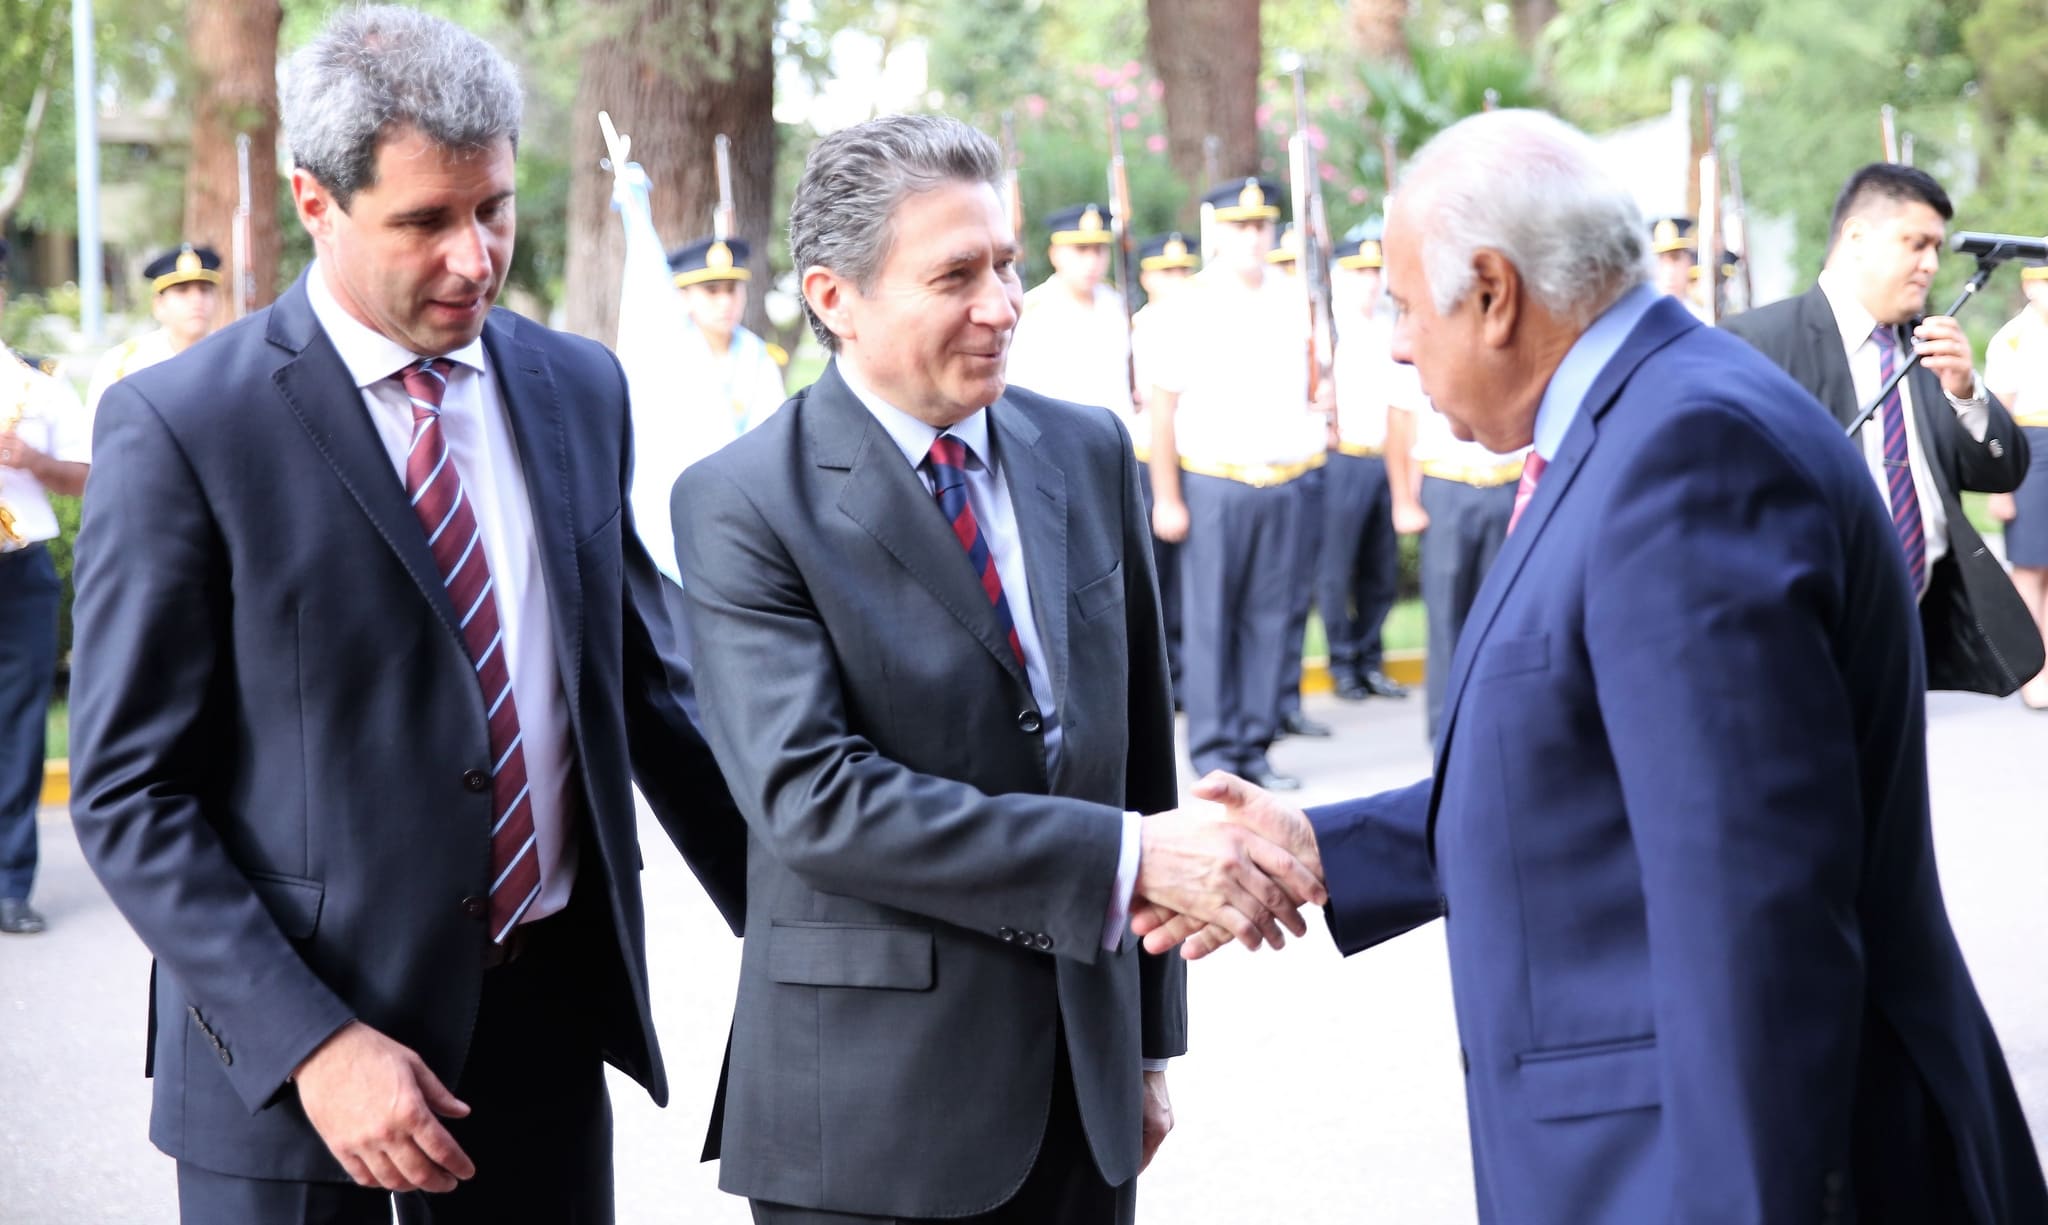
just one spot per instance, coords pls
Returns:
(1238, 866)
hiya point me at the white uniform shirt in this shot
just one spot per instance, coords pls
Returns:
(1368, 379)
(2016, 365)
(1865, 365)
(1071, 351)
(743, 383)
(481, 445)
(46, 415)
(1238, 359)
(125, 359)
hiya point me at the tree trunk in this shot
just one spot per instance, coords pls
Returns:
(1207, 56)
(1531, 18)
(233, 44)
(673, 74)
(1379, 29)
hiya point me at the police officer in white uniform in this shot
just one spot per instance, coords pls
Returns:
(184, 286)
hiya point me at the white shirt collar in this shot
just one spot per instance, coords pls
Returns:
(1855, 322)
(912, 436)
(371, 356)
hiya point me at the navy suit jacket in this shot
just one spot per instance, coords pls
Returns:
(277, 730)
(1679, 835)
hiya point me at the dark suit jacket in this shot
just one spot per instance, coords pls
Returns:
(925, 900)
(273, 717)
(1679, 830)
(1979, 634)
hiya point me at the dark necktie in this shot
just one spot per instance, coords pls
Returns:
(1898, 464)
(948, 463)
(435, 486)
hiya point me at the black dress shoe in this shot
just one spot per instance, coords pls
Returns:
(1294, 723)
(18, 918)
(1260, 774)
(1379, 684)
(1351, 689)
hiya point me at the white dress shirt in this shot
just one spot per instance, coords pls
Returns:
(989, 496)
(53, 422)
(1856, 325)
(481, 446)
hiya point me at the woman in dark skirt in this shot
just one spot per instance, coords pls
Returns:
(2016, 371)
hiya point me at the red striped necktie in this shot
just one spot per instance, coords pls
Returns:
(948, 462)
(1898, 464)
(435, 486)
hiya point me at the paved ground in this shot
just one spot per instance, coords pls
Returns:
(1318, 1090)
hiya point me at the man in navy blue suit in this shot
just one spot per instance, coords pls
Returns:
(369, 658)
(1678, 829)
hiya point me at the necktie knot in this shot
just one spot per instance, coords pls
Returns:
(948, 460)
(1887, 340)
(425, 382)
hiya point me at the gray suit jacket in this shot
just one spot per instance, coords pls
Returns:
(925, 900)
(1979, 635)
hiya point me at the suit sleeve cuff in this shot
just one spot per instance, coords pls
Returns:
(1118, 920)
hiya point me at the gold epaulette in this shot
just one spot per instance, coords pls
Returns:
(776, 353)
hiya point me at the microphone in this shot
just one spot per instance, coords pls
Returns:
(1997, 247)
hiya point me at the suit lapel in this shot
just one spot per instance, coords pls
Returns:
(885, 496)
(534, 410)
(321, 393)
(1038, 495)
(1664, 322)
(1835, 386)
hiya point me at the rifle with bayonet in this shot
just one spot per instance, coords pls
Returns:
(1708, 232)
(1212, 156)
(1311, 225)
(725, 217)
(1122, 250)
(240, 238)
(1013, 186)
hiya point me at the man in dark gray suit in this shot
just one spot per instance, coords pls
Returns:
(931, 664)
(367, 652)
(1938, 434)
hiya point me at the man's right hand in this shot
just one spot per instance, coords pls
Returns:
(1170, 521)
(1410, 518)
(1276, 825)
(374, 1102)
(1198, 862)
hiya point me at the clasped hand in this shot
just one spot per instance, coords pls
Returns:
(1237, 866)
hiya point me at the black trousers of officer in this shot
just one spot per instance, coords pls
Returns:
(1358, 567)
(1309, 491)
(28, 668)
(1237, 567)
(1166, 562)
(1466, 527)
(540, 1127)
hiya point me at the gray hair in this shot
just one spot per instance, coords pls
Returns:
(1530, 186)
(379, 68)
(843, 216)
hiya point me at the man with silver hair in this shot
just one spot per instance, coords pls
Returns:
(931, 663)
(1678, 829)
(369, 654)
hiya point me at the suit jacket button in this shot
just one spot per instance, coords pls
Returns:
(476, 907)
(1029, 723)
(1007, 935)
(476, 780)
(1042, 942)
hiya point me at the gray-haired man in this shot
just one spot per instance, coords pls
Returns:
(931, 663)
(368, 652)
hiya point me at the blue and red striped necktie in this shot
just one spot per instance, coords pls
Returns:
(948, 463)
(435, 486)
(1898, 464)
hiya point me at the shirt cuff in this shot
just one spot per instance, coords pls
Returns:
(1975, 410)
(1119, 918)
(1153, 1065)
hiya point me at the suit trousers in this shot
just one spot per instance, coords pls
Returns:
(28, 668)
(1309, 488)
(1236, 567)
(1466, 527)
(540, 1122)
(1063, 1186)
(1166, 564)
(1359, 564)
